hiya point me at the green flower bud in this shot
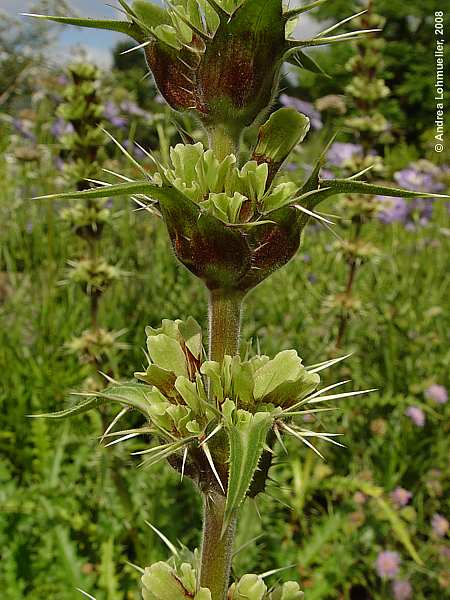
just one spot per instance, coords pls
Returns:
(288, 591)
(249, 587)
(161, 582)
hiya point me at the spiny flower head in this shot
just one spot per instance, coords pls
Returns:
(220, 59)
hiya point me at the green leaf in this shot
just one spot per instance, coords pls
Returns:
(285, 367)
(167, 354)
(120, 26)
(150, 14)
(247, 437)
(399, 528)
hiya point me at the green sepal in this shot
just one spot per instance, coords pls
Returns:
(167, 354)
(150, 14)
(283, 130)
(247, 437)
(160, 378)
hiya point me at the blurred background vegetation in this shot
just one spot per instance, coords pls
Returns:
(371, 522)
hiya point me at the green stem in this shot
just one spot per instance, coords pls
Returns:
(217, 549)
(225, 309)
(223, 141)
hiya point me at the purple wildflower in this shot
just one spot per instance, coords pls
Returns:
(392, 210)
(24, 128)
(444, 552)
(340, 153)
(304, 107)
(112, 114)
(387, 564)
(133, 109)
(417, 179)
(401, 589)
(437, 393)
(134, 150)
(416, 415)
(326, 174)
(61, 127)
(440, 525)
(312, 278)
(400, 496)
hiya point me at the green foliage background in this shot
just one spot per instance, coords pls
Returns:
(62, 524)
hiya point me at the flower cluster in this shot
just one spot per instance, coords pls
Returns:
(179, 582)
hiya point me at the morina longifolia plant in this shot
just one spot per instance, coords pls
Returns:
(216, 415)
(80, 135)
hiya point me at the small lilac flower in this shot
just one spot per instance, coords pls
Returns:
(392, 210)
(62, 80)
(134, 150)
(304, 107)
(24, 128)
(440, 525)
(312, 278)
(61, 127)
(437, 393)
(387, 564)
(400, 496)
(417, 179)
(133, 109)
(29, 227)
(112, 114)
(339, 153)
(416, 415)
(401, 589)
(444, 552)
(326, 174)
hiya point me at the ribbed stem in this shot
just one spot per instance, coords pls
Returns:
(217, 549)
(225, 310)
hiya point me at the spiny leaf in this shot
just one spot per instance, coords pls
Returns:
(119, 189)
(299, 59)
(78, 409)
(247, 437)
(295, 12)
(399, 528)
(346, 186)
(132, 395)
(120, 26)
(164, 451)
